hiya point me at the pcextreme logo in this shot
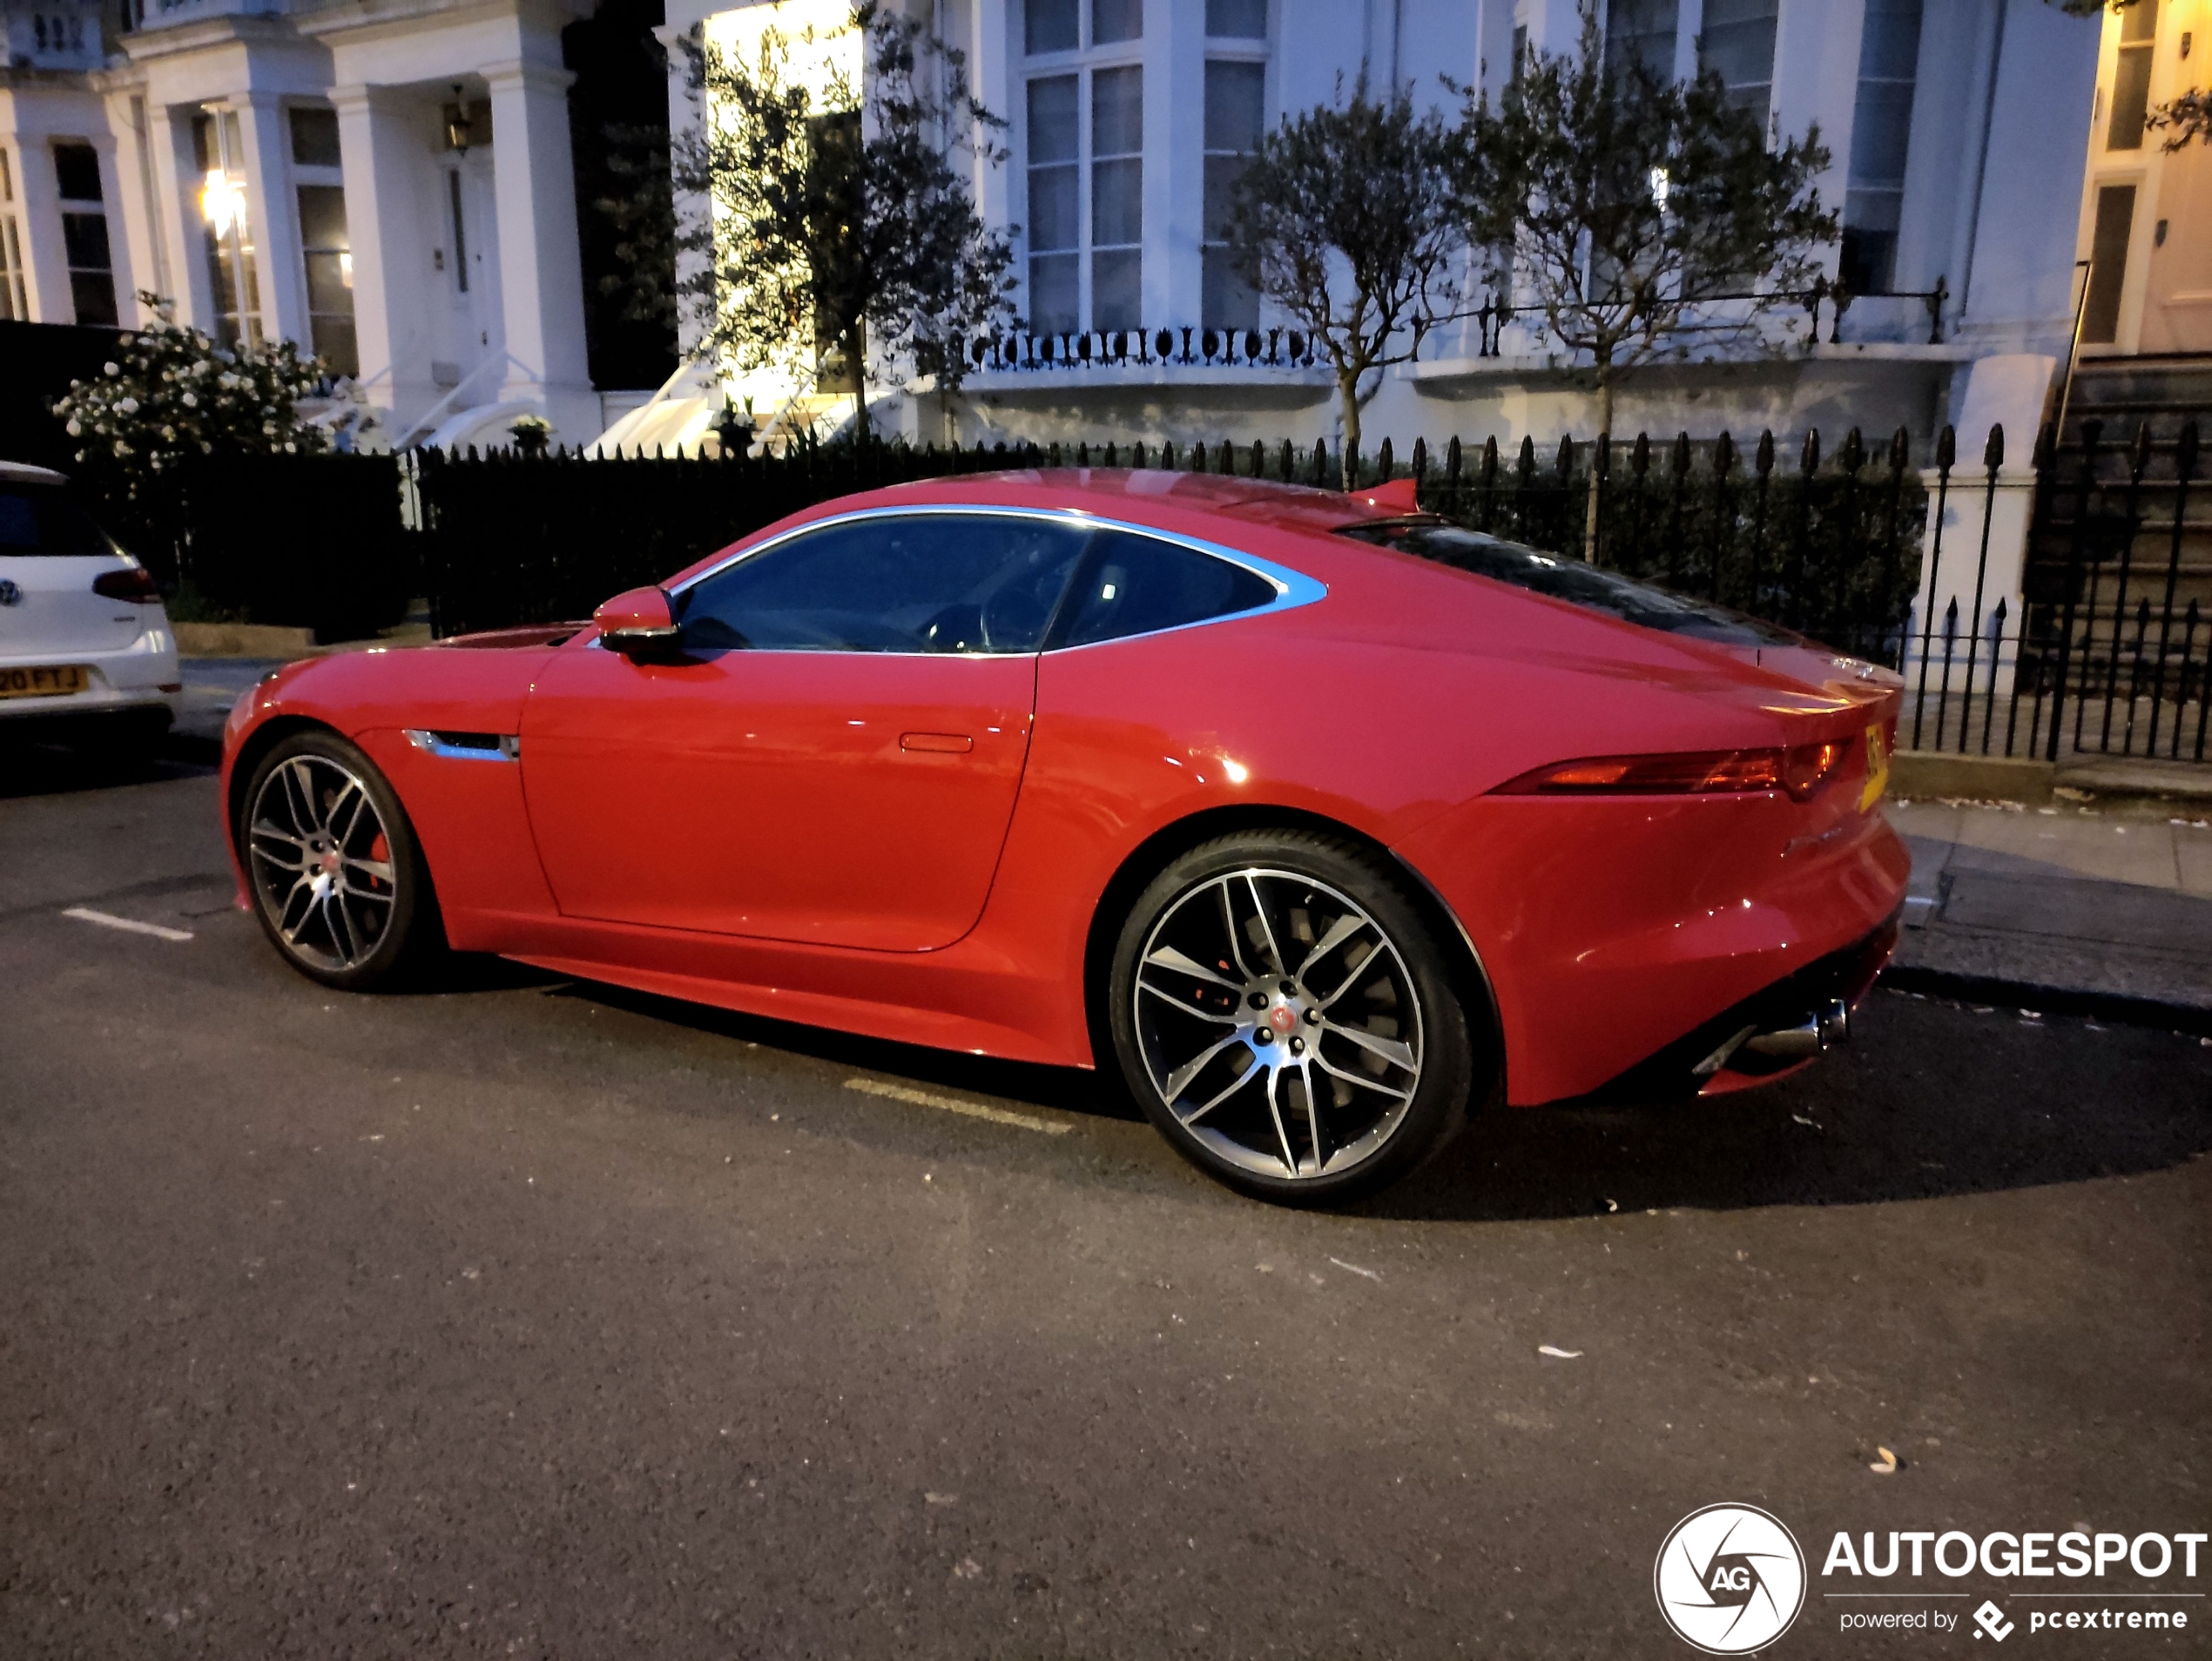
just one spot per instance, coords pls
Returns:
(1729, 1579)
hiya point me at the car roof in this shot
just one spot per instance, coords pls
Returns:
(1135, 493)
(25, 473)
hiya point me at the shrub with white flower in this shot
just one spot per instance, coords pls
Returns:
(171, 393)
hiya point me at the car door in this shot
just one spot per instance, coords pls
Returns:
(833, 754)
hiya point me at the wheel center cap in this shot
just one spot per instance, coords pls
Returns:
(328, 862)
(1282, 1018)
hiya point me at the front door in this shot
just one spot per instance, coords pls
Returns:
(833, 756)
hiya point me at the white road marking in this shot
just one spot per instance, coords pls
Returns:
(129, 925)
(953, 1104)
(1353, 1268)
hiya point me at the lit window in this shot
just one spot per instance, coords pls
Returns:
(233, 279)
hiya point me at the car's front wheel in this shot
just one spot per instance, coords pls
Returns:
(1284, 1015)
(339, 881)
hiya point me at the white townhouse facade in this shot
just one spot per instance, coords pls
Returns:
(389, 182)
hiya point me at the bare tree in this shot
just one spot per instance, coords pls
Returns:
(1344, 219)
(1641, 215)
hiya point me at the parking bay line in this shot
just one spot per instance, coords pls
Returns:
(953, 1104)
(129, 925)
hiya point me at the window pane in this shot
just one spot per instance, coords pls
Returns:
(1890, 49)
(1117, 289)
(1226, 300)
(2130, 99)
(1117, 112)
(1117, 203)
(1868, 262)
(77, 172)
(1049, 25)
(1139, 584)
(1112, 20)
(1641, 31)
(1738, 43)
(935, 582)
(315, 137)
(329, 284)
(2108, 264)
(93, 295)
(1055, 304)
(1222, 174)
(1236, 19)
(84, 241)
(1236, 105)
(1881, 129)
(1054, 219)
(2139, 20)
(1052, 120)
(334, 343)
(322, 217)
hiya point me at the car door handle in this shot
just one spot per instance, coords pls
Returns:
(940, 742)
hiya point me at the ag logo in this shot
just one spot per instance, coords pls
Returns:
(1729, 1579)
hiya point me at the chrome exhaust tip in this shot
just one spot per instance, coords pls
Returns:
(1828, 1025)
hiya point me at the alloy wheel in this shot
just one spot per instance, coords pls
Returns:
(1279, 1022)
(322, 862)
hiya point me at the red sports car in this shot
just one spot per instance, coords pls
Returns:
(1318, 817)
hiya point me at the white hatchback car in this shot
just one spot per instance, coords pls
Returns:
(86, 651)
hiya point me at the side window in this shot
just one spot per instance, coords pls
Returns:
(927, 582)
(1140, 584)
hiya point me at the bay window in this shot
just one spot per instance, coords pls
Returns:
(1084, 138)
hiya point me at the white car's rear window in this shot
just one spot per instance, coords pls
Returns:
(40, 520)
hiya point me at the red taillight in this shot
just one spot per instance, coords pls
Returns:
(1801, 772)
(134, 583)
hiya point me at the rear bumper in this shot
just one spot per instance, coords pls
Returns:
(1716, 1058)
(139, 679)
(1613, 930)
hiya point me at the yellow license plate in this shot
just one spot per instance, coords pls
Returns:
(1878, 769)
(56, 681)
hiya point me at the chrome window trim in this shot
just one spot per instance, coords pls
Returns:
(509, 748)
(1293, 587)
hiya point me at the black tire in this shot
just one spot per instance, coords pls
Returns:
(1397, 1087)
(386, 931)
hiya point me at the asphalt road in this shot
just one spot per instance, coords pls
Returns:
(536, 1318)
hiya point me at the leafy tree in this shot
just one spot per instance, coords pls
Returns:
(1628, 206)
(1344, 219)
(838, 225)
(2184, 118)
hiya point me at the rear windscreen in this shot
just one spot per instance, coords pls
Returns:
(36, 520)
(1563, 578)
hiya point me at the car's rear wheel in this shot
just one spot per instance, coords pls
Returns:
(339, 881)
(1284, 1015)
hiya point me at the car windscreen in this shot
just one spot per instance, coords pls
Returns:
(1561, 578)
(37, 519)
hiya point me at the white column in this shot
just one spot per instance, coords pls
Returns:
(381, 159)
(275, 218)
(686, 117)
(39, 228)
(541, 266)
(177, 181)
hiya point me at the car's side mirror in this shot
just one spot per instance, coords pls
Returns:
(638, 624)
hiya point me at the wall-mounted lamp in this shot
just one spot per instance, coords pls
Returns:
(457, 123)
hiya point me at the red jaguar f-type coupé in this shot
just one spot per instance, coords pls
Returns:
(1318, 817)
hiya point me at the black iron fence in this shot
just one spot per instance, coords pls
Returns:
(2107, 647)
(2108, 654)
